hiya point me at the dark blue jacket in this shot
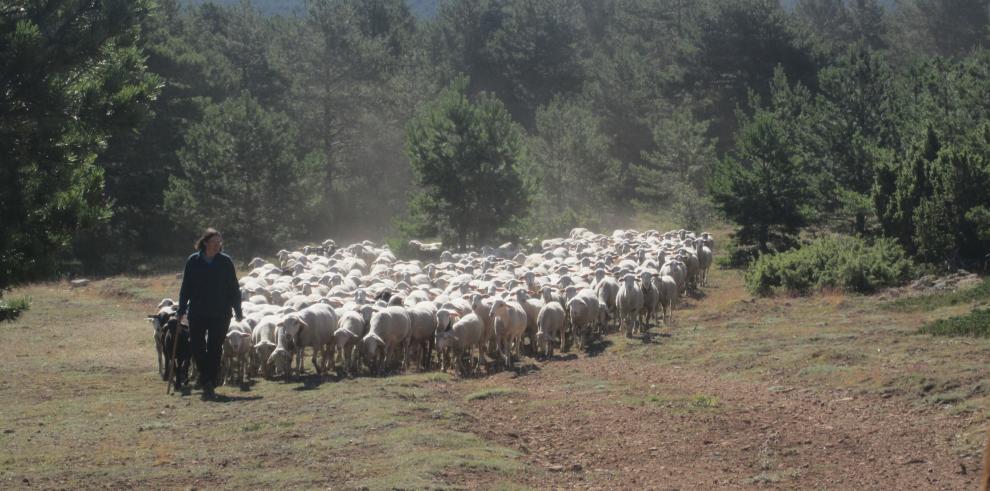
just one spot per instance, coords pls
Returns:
(209, 289)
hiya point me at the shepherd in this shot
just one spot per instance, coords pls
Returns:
(208, 295)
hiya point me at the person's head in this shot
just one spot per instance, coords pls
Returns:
(211, 242)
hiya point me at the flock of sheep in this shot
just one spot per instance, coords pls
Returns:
(360, 308)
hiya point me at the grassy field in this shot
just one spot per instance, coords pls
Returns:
(738, 392)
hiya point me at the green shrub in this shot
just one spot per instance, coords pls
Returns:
(738, 255)
(844, 263)
(975, 323)
(11, 309)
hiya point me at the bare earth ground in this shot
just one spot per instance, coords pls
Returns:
(825, 392)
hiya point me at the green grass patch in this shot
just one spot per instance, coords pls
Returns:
(491, 393)
(12, 308)
(704, 402)
(975, 324)
(941, 299)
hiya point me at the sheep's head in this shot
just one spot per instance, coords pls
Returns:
(293, 326)
(372, 345)
(342, 337)
(645, 278)
(263, 351)
(443, 319)
(629, 280)
(547, 293)
(570, 292)
(521, 295)
(280, 357)
(232, 343)
(159, 320)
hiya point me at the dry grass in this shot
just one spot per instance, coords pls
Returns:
(83, 406)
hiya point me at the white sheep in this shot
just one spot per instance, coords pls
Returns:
(705, 257)
(236, 348)
(462, 338)
(388, 334)
(629, 301)
(532, 307)
(311, 327)
(423, 329)
(582, 310)
(607, 289)
(550, 321)
(350, 329)
(509, 323)
(264, 339)
(667, 288)
(651, 298)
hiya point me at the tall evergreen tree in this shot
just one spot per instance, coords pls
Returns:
(571, 166)
(243, 173)
(763, 185)
(739, 45)
(468, 158)
(71, 77)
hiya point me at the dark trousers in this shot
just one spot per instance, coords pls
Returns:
(206, 340)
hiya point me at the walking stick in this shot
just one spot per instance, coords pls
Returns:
(171, 366)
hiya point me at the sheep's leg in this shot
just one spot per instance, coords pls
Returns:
(161, 357)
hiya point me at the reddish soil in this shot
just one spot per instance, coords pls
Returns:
(755, 436)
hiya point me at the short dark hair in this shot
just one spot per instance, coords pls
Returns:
(207, 235)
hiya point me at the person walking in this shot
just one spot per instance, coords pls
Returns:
(209, 292)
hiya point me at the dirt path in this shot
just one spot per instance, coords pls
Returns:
(640, 426)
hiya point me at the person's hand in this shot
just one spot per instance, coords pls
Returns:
(183, 321)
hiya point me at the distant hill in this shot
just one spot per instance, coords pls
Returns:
(424, 9)
(790, 4)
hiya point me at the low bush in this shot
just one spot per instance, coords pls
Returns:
(738, 256)
(975, 323)
(11, 309)
(839, 262)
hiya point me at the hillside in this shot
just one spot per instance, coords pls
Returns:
(421, 8)
(830, 391)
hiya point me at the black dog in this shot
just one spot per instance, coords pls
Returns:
(183, 352)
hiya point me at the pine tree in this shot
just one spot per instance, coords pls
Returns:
(467, 157)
